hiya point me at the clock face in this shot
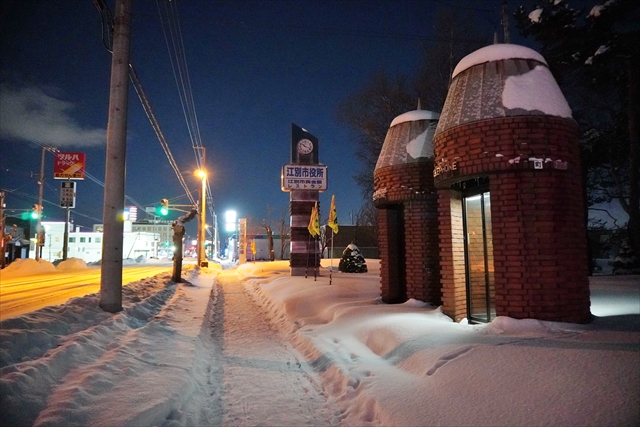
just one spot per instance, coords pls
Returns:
(305, 146)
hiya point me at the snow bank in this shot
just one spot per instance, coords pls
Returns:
(71, 264)
(73, 364)
(27, 267)
(380, 364)
(409, 364)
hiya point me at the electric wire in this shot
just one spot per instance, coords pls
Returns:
(174, 42)
(175, 46)
(156, 127)
(107, 30)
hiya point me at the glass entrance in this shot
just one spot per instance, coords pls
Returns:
(479, 257)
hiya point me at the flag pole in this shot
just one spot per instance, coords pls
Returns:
(315, 258)
(306, 269)
(331, 257)
(333, 224)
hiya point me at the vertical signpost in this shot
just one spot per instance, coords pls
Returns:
(68, 166)
(68, 201)
(303, 178)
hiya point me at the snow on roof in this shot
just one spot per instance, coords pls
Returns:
(411, 141)
(415, 115)
(501, 81)
(496, 52)
(536, 90)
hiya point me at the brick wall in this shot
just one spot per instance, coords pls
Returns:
(303, 248)
(540, 256)
(451, 244)
(408, 232)
(537, 210)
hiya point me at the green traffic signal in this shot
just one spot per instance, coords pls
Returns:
(163, 209)
(36, 211)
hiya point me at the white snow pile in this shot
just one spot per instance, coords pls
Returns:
(71, 264)
(412, 365)
(27, 266)
(380, 364)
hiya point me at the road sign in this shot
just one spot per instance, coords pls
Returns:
(69, 166)
(304, 177)
(68, 194)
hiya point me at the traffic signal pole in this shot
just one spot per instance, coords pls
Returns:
(113, 209)
(39, 223)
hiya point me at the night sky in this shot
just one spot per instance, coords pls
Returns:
(255, 68)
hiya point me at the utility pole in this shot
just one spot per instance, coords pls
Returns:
(202, 256)
(39, 223)
(113, 220)
(3, 243)
(202, 173)
(505, 22)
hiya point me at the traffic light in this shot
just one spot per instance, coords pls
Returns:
(36, 211)
(163, 209)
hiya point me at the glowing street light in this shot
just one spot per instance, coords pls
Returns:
(230, 220)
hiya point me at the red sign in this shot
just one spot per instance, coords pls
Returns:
(69, 166)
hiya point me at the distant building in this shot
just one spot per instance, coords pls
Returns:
(87, 245)
(262, 248)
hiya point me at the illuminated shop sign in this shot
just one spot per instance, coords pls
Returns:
(443, 166)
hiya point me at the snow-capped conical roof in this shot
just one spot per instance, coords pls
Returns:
(409, 138)
(501, 80)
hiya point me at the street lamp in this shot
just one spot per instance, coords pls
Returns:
(202, 259)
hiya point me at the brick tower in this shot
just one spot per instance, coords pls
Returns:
(303, 195)
(510, 200)
(408, 213)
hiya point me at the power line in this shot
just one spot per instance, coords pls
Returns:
(107, 23)
(174, 42)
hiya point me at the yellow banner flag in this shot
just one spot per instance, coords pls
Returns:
(314, 222)
(333, 215)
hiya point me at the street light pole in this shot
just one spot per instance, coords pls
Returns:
(203, 224)
(202, 259)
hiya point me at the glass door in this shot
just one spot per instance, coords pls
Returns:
(479, 258)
